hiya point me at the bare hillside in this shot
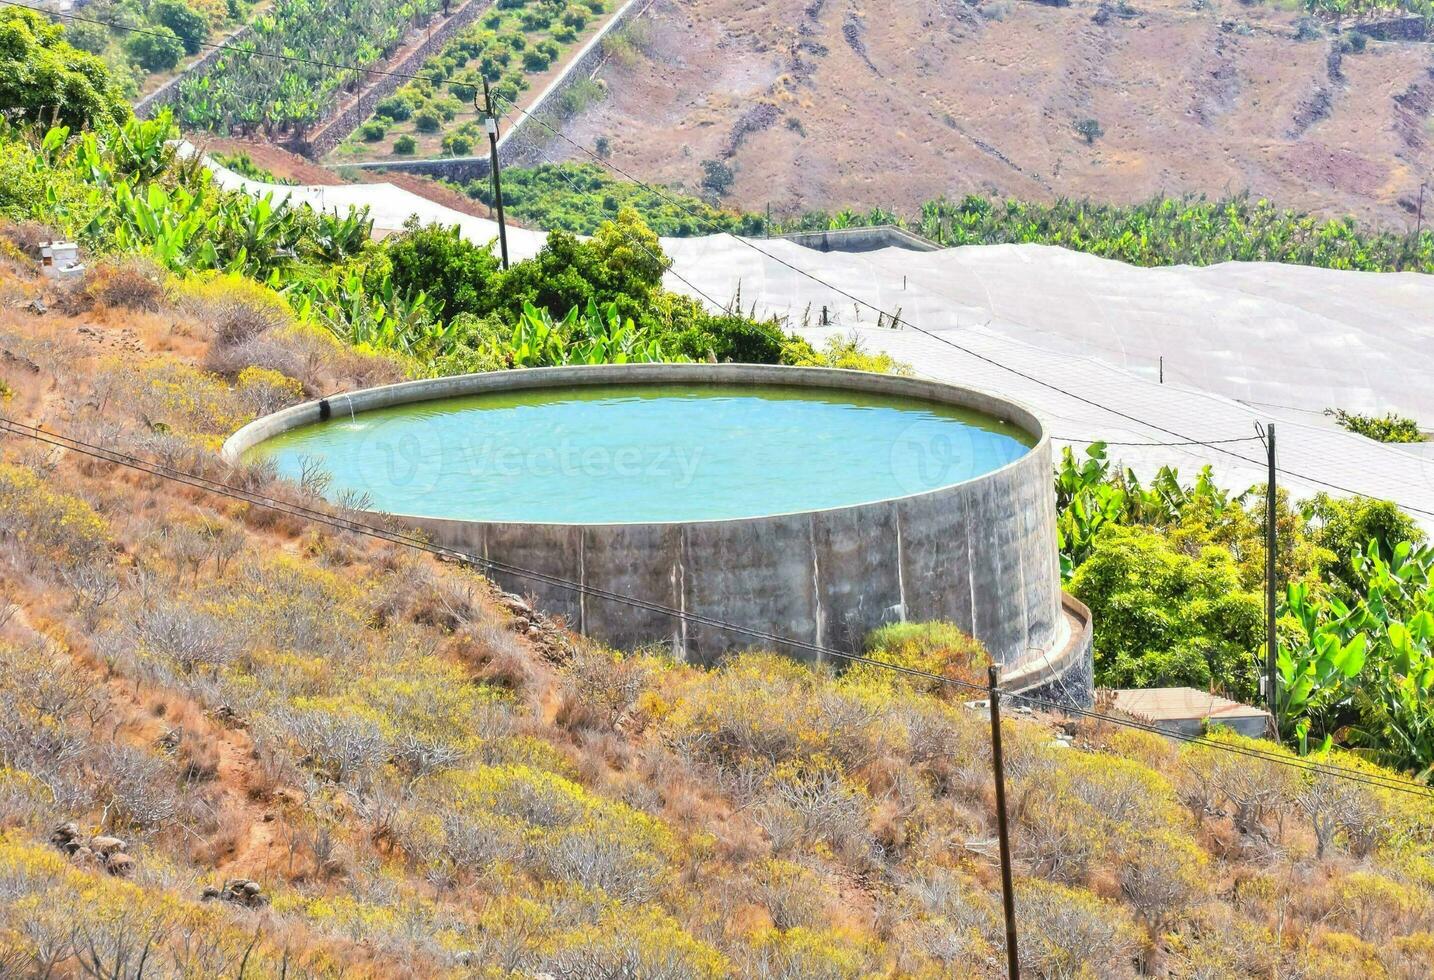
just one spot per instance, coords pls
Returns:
(832, 103)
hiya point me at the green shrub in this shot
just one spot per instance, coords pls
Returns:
(458, 144)
(40, 72)
(94, 38)
(717, 177)
(1089, 129)
(405, 144)
(397, 108)
(536, 60)
(188, 24)
(464, 89)
(732, 337)
(159, 50)
(1380, 428)
(372, 131)
(427, 120)
(1163, 618)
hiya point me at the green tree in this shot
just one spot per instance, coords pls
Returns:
(1165, 618)
(158, 50)
(188, 24)
(42, 77)
(1090, 130)
(456, 274)
(717, 177)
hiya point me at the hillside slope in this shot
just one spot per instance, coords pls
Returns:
(800, 97)
(252, 746)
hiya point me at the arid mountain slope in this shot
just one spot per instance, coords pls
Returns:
(832, 103)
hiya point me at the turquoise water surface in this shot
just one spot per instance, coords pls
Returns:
(646, 453)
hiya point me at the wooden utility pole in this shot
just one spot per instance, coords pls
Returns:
(490, 122)
(1008, 894)
(1272, 647)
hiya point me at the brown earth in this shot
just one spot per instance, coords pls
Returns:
(301, 170)
(832, 103)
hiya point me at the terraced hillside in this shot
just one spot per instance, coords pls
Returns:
(1115, 102)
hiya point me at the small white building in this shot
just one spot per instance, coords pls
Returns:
(60, 259)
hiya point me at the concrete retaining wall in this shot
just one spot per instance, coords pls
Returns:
(980, 553)
(862, 239)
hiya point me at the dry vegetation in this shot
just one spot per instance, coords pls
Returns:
(232, 743)
(829, 104)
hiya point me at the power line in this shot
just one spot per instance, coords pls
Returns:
(1217, 446)
(525, 573)
(940, 338)
(197, 481)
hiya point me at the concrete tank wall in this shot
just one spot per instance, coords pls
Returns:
(980, 553)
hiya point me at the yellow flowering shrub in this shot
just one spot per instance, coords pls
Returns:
(48, 905)
(554, 828)
(49, 525)
(936, 648)
(169, 394)
(811, 954)
(264, 390)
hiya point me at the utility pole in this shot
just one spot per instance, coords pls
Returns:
(1008, 894)
(1419, 221)
(490, 122)
(1272, 647)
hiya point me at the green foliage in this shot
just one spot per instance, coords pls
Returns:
(395, 108)
(372, 131)
(512, 42)
(44, 79)
(188, 24)
(159, 49)
(733, 337)
(1166, 619)
(405, 145)
(1089, 129)
(591, 337)
(578, 197)
(241, 163)
(456, 274)
(458, 144)
(717, 177)
(1364, 671)
(1380, 428)
(1171, 574)
(244, 95)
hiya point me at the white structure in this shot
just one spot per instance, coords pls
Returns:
(59, 259)
(1081, 339)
